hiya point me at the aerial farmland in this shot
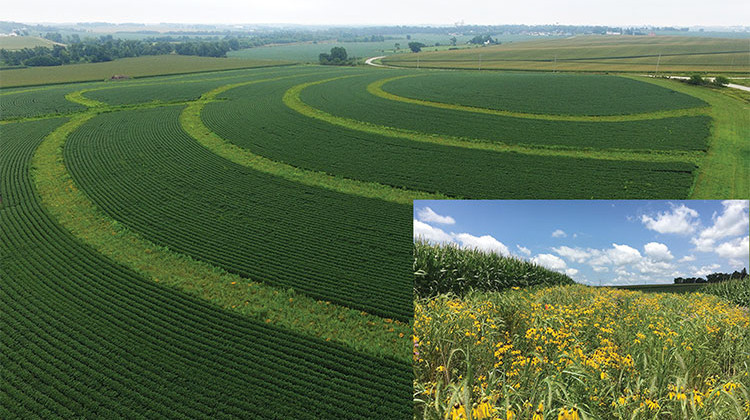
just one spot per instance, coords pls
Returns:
(217, 239)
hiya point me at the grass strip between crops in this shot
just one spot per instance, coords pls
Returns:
(191, 122)
(285, 308)
(292, 100)
(376, 88)
(725, 170)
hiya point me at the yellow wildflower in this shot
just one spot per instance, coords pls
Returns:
(484, 410)
(458, 412)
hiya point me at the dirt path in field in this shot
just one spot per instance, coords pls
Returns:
(731, 85)
(370, 60)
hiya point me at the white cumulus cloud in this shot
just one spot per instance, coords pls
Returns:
(429, 233)
(687, 258)
(623, 254)
(484, 243)
(553, 262)
(657, 251)
(428, 215)
(573, 254)
(679, 220)
(735, 249)
(705, 270)
(523, 250)
(732, 222)
(559, 233)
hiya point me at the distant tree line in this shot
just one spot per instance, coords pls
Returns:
(107, 49)
(712, 278)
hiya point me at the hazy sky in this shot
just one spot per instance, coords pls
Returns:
(599, 241)
(392, 12)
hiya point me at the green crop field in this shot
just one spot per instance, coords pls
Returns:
(682, 132)
(538, 93)
(620, 53)
(130, 67)
(236, 242)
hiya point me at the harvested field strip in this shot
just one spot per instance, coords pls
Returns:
(145, 172)
(280, 307)
(76, 322)
(190, 120)
(550, 100)
(293, 100)
(282, 133)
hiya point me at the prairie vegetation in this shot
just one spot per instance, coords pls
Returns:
(484, 350)
(599, 352)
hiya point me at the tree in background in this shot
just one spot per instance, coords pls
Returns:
(416, 46)
(337, 57)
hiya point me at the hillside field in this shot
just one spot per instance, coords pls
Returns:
(597, 53)
(21, 42)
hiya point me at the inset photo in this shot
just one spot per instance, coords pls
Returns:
(581, 309)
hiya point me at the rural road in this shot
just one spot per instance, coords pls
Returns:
(731, 85)
(370, 60)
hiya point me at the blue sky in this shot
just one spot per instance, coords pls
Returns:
(598, 242)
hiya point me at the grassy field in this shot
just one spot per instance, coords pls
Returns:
(598, 54)
(21, 42)
(131, 67)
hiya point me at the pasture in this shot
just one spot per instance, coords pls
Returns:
(596, 53)
(174, 237)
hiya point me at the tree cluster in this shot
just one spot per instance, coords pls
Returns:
(698, 80)
(712, 278)
(483, 39)
(337, 57)
(416, 46)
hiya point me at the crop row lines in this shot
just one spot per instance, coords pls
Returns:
(102, 161)
(376, 88)
(292, 100)
(80, 216)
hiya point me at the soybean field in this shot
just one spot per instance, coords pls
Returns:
(238, 243)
